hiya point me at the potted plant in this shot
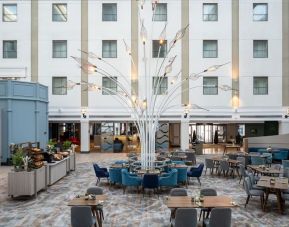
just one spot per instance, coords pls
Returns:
(66, 145)
(17, 159)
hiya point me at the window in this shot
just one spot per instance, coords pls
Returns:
(159, 50)
(210, 49)
(59, 49)
(210, 12)
(260, 12)
(160, 13)
(109, 83)
(9, 49)
(260, 86)
(260, 48)
(109, 12)
(59, 85)
(59, 12)
(162, 84)
(210, 85)
(109, 49)
(9, 13)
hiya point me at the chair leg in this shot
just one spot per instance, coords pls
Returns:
(247, 201)
(123, 189)
(199, 180)
(206, 171)
(200, 215)
(240, 179)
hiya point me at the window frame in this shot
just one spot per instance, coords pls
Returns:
(260, 88)
(53, 45)
(110, 55)
(155, 52)
(66, 15)
(216, 86)
(267, 13)
(111, 14)
(59, 88)
(267, 49)
(160, 91)
(160, 16)
(111, 82)
(208, 15)
(204, 51)
(3, 15)
(3, 49)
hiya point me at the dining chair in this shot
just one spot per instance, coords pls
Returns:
(81, 216)
(182, 176)
(253, 182)
(209, 165)
(268, 158)
(242, 160)
(169, 179)
(186, 217)
(100, 172)
(115, 176)
(196, 172)
(150, 181)
(285, 163)
(178, 192)
(243, 172)
(252, 192)
(225, 168)
(97, 191)
(216, 221)
(129, 180)
(206, 192)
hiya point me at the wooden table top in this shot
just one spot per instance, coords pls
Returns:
(232, 146)
(118, 166)
(82, 202)
(209, 202)
(280, 183)
(266, 170)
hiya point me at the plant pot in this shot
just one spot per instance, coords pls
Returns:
(17, 168)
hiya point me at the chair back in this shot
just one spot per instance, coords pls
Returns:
(277, 166)
(182, 175)
(257, 160)
(96, 167)
(220, 217)
(150, 181)
(247, 184)
(115, 175)
(95, 190)
(232, 156)
(209, 163)
(191, 157)
(252, 178)
(208, 192)
(186, 217)
(285, 163)
(242, 160)
(81, 216)
(242, 170)
(178, 192)
(224, 165)
(286, 172)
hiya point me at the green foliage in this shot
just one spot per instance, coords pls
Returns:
(66, 144)
(51, 142)
(17, 158)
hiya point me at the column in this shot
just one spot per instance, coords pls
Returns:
(34, 41)
(134, 47)
(84, 135)
(185, 137)
(84, 122)
(285, 53)
(235, 54)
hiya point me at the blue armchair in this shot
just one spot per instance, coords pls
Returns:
(257, 160)
(196, 172)
(182, 176)
(115, 176)
(100, 172)
(169, 179)
(129, 180)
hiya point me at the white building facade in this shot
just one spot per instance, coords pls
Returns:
(250, 37)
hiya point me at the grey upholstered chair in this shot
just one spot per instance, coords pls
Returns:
(220, 217)
(252, 192)
(242, 160)
(253, 182)
(225, 168)
(206, 192)
(96, 191)
(209, 165)
(178, 192)
(81, 216)
(186, 217)
(243, 172)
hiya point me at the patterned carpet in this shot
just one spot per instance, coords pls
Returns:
(50, 208)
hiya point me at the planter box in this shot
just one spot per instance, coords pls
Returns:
(56, 170)
(72, 163)
(27, 183)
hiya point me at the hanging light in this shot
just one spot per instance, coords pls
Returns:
(127, 48)
(142, 2)
(179, 35)
(214, 67)
(143, 33)
(162, 37)
(154, 4)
